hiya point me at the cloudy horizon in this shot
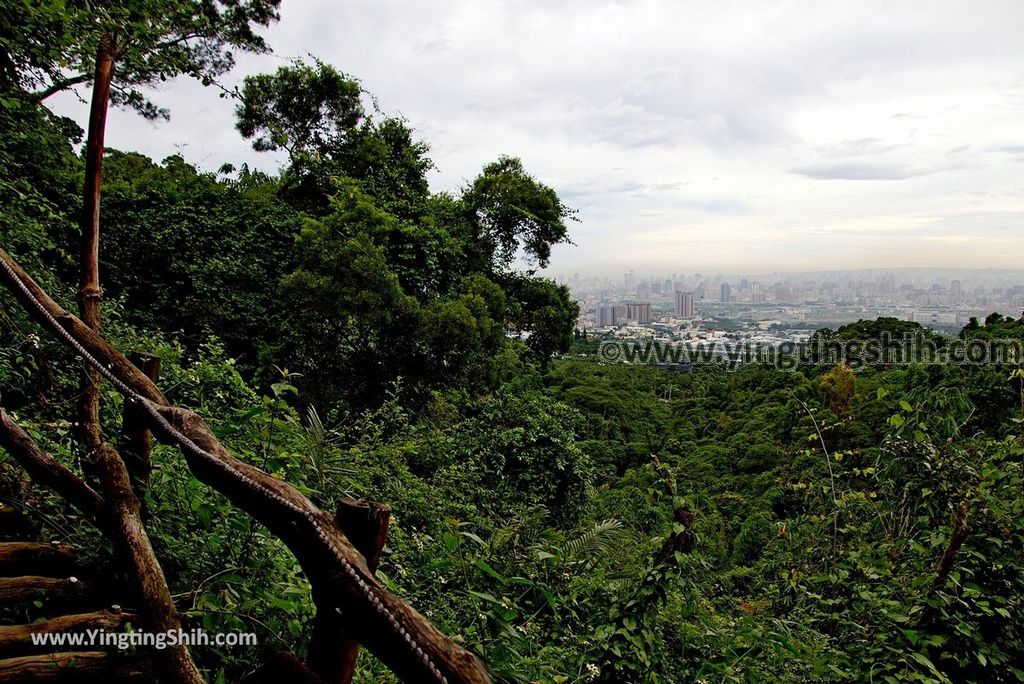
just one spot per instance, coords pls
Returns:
(736, 137)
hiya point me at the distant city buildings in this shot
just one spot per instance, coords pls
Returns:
(639, 312)
(665, 303)
(606, 316)
(684, 304)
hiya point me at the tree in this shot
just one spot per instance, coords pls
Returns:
(39, 177)
(363, 317)
(512, 212)
(315, 113)
(54, 46)
(545, 312)
(145, 42)
(306, 110)
(120, 48)
(231, 240)
(839, 386)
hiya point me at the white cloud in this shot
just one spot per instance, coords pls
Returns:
(693, 134)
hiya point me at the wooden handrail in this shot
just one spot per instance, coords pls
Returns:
(390, 628)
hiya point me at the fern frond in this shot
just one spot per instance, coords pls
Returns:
(593, 542)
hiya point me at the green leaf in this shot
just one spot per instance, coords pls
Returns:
(483, 565)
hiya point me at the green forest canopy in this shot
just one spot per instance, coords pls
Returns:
(348, 330)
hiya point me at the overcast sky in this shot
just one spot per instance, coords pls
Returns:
(691, 136)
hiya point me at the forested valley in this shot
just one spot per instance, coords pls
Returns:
(348, 331)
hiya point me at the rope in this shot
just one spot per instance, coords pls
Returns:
(190, 447)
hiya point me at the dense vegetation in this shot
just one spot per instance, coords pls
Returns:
(355, 334)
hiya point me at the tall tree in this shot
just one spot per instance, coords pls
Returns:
(514, 214)
(52, 46)
(306, 110)
(122, 47)
(316, 114)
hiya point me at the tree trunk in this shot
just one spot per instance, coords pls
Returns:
(89, 292)
(961, 528)
(126, 529)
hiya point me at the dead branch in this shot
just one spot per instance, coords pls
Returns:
(46, 470)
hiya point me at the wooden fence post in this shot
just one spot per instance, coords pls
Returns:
(137, 445)
(333, 649)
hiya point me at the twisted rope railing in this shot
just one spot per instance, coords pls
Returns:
(321, 548)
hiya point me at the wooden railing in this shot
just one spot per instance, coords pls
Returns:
(352, 607)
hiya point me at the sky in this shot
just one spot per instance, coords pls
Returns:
(690, 136)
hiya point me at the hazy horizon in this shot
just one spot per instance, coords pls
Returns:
(733, 137)
(645, 270)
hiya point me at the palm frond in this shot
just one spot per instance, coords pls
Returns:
(319, 444)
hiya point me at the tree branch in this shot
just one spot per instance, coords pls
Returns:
(956, 539)
(59, 86)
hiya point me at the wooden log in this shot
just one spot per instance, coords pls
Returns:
(86, 667)
(46, 470)
(334, 647)
(138, 441)
(415, 650)
(365, 523)
(399, 636)
(16, 640)
(36, 558)
(156, 608)
(56, 591)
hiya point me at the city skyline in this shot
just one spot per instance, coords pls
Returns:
(680, 302)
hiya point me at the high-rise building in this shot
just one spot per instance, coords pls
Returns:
(606, 315)
(684, 304)
(639, 312)
(726, 293)
(956, 287)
